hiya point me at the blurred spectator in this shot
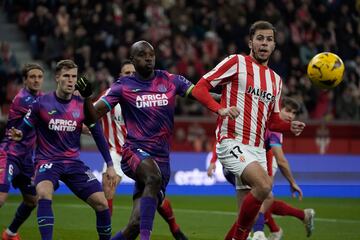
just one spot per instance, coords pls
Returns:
(192, 36)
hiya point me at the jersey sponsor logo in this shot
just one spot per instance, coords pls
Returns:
(44, 167)
(261, 94)
(52, 112)
(62, 125)
(152, 100)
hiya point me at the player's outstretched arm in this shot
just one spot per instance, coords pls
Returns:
(98, 135)
(286, 171)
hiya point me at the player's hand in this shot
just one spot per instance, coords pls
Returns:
(15, 134)
(111, 175)
(296, 189)
(84, 87)
(231, 112)
(297, 127)
(211, 169)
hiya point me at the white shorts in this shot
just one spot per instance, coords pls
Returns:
(235, 157)
(116, 157)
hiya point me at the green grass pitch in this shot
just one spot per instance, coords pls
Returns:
(200, 217)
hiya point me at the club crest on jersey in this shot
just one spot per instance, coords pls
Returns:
(28, 99)
(76, 114)
(162, 88)
(264, 96)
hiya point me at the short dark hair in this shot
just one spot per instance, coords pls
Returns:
(125, 62)
(28, 67)
(261, 25)
(67, 64)
(290, 103)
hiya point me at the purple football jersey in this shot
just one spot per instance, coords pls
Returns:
(273, 139)
(58, 125)
(148, 110)
(20, 151)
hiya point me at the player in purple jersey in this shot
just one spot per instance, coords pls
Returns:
(16, 165)
(58, 117)
(148, 101)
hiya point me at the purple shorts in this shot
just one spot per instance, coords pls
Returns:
(19, 175)
(132, 157)
(76, 175)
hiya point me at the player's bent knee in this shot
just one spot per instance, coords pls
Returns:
(31, 202)
(154, 181)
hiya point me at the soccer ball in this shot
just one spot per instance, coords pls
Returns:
(326, 70)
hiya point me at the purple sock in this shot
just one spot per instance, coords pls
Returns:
(118, 236)
(103, 224)
(260, 222)
(45, 219)
(147, 214)
(22, 213)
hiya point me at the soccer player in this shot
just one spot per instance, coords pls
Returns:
(148, 100)
(16, 164)
(58, 117)
(115, 132)
(250, 104)
(273, 145)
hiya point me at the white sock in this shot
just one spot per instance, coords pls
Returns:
(10, 233)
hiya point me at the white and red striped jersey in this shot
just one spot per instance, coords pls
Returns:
(114, 127)
(253, 88)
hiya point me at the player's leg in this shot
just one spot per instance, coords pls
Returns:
(166, 212)
(82, 182)
(4, 177)
(249, 166)
(259, 225)
(108, 188)
(281, 208)
(25, 208)
(47, 177)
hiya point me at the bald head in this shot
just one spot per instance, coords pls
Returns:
(142, 55)
(139, 45)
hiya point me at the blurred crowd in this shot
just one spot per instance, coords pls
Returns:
(191, 37)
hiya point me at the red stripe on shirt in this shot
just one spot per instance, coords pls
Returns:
(248, 101)
(261, 107)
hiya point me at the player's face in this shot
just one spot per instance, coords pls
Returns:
(287, 114)
(144, 59)
(127, 70)
(262, 45)
(66, 80)
(34, 80)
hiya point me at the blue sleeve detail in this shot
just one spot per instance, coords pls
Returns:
(28, 123)
(106, 103)
(275, 145)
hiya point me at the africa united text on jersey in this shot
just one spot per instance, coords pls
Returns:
(148, 109)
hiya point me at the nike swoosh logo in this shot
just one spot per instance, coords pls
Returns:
(52, 112)
(108, 229)
(136, 90)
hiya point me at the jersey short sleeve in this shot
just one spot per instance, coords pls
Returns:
(183, 85)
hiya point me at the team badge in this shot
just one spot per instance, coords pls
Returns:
(76, 114)
(162, 88)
